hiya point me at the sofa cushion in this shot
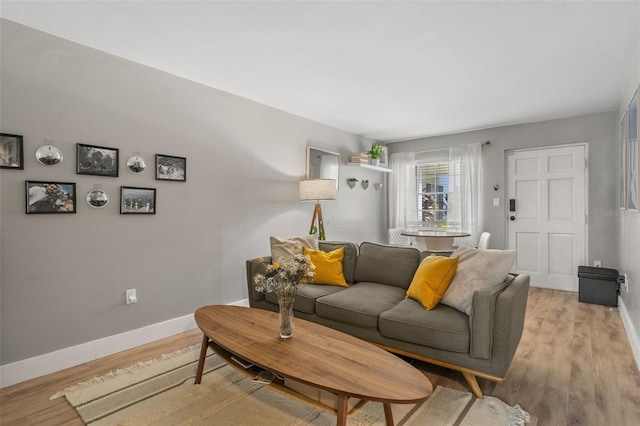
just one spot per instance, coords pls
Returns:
(391, 265)
(328, 266)
(307, 295)
(431, 280)
(477, 269)
(284, 248)
(359, 304)
(442, 327)
(350, 256)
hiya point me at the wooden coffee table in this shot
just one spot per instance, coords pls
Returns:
(316, 355)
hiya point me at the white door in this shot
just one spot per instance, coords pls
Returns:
(548, 226)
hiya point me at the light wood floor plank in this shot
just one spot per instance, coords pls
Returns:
(574, 366)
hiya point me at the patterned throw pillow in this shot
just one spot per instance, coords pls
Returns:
(282, 249)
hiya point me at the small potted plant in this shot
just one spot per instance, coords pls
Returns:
(374, 154)
(352, 182)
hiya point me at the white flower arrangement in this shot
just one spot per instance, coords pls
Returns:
(284, 278)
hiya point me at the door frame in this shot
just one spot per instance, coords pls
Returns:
(586, 190)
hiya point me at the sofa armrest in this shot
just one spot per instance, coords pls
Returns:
(482, 319)
(497, 321)
(511, 307)
(254, 267)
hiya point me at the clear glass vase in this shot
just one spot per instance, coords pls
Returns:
(286, 316)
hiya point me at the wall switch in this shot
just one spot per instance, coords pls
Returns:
(131, 296)
(496, 202)
(597, 263)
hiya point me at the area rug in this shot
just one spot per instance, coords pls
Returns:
(162, 392)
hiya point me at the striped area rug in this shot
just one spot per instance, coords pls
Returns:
(162, 392)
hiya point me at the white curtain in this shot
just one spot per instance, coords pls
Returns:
(465, 196)
(402, 190)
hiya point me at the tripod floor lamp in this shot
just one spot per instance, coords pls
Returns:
(316, 190)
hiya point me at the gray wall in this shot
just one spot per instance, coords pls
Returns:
(598, 130)
(63, 277)
(628, 226)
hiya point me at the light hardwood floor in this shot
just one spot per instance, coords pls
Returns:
(574, 366)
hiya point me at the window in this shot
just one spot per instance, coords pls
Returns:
(432, 183)
(438, 188)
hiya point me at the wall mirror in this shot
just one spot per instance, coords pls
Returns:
(322, 164)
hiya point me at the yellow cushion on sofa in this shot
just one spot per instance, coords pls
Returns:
(328, 266)
(431, 280)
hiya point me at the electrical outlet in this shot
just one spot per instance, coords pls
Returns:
(131, 296)
(597, 263)
(626, 282)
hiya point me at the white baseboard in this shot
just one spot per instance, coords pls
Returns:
(632, 333)
(41, 365)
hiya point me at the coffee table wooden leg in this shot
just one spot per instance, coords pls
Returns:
(388, 415)
(342, 410)
(203, 356)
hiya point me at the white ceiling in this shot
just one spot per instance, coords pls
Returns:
(388, 70)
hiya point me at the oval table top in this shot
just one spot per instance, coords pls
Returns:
(316, 355)
(436, 234)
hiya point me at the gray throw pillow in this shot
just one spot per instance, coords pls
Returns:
(477, 269)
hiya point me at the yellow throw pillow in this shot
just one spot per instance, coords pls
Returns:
(328, 266)
(431, 280)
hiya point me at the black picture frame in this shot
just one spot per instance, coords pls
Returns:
(11, 151)
(97, 160)
(169, 167)
(50, 197)
(136, 200)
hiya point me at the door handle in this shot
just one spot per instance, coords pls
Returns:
(512, 218)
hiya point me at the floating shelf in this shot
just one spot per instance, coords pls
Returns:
(369, 166)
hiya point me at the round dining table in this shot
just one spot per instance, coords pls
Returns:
(435, 240)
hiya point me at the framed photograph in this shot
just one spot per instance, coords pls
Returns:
(622, 163)
(50, 197)
(11, 152)
(171, 168)
(137, 200)
(384, 158)
(97, 160)
(632, 153)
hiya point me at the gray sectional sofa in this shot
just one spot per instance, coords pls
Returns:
(374, 308)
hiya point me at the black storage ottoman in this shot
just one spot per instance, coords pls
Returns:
(599, 286)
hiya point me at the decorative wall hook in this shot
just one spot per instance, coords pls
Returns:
(365, 184)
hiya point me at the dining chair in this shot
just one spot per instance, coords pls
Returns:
(483, 242)
(395, 238)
